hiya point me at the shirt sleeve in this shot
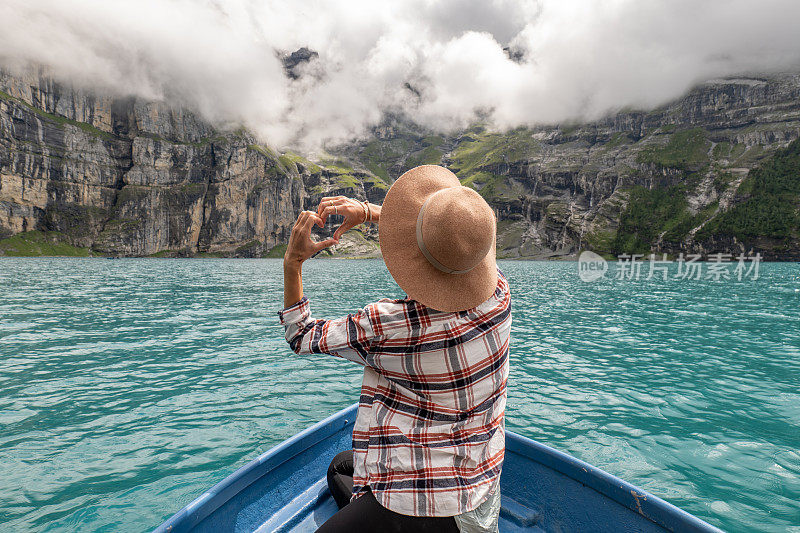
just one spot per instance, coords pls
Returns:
(348, 337)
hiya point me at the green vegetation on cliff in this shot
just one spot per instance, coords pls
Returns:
(481, 158)
(686, 150)
(662, 214)
(767, 205)
(38, 243)
(479, 150)
(430, 155)
(770, 202)
(276, 251)
(264, 150)
(653, 215)
(57, 119)
(293, 161)
(388, 157)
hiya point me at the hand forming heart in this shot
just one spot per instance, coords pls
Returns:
(353, 211)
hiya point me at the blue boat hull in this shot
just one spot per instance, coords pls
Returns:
(542, 490)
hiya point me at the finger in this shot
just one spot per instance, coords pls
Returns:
(309, 219)
(328, 200)
(323, 217)
(326, 212)
(333, 200)
(341, 229)
(304, 225)
(323, 205)
(337, 209)
(312, 220)
(324, 244)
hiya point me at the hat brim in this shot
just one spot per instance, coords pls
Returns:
(397, 231)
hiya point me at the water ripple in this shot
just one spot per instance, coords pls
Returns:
(128, 387)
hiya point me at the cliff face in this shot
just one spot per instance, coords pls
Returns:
(121, 176)
(634, 182)
(126, 177)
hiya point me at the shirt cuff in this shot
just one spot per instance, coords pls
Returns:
(296, 312)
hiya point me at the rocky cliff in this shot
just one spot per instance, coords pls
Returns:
(82, 173)
(123, 177)
(636, 182)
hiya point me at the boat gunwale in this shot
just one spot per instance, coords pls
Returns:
(215, 497)
(617, 489)
(620, 491)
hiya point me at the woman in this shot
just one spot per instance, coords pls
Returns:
(428, 441)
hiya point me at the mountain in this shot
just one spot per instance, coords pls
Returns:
(708, 173)
(83, 174)
(715, 171)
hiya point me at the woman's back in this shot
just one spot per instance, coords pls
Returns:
(428, 440)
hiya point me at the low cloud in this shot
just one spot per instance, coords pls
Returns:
(521, 62)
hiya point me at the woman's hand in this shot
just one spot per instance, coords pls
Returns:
(353, 211)
(300, 246)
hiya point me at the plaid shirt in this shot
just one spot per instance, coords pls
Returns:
(429, 437)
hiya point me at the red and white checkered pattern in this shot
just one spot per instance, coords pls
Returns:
(429, 437)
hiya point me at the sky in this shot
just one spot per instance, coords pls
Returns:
(442, 63)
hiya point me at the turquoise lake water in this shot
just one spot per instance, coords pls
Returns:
(128, 387)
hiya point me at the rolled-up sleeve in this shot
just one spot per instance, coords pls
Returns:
(348, 337)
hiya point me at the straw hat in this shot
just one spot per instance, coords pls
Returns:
(438, 239)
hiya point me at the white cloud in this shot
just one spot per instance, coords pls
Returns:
(584, 58)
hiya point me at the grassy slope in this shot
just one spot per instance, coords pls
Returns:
(770, 202)
(407, 150)
(651, 213)
(480, 154)
(767, 203)
(686, 150)
(39, 243)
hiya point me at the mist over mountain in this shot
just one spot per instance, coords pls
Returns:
(512, 63)
(715, 171)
